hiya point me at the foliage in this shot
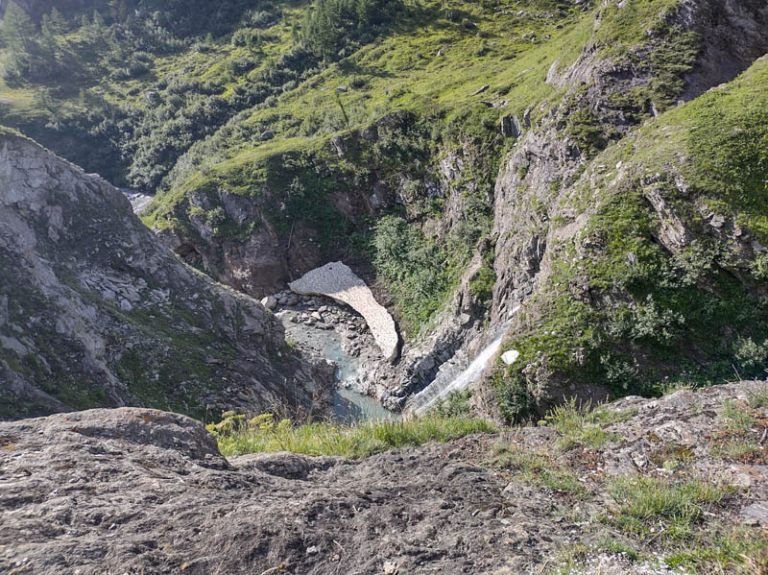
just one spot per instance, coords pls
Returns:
(539, 469)
(455, 405)
(237, 436)
(657, 313)
(413, 267)
(670, 510)
(329, 24)
(584, 426)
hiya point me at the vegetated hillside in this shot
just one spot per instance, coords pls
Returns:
(655, 259)
(455, 153)
(675, 485)
(94, 313)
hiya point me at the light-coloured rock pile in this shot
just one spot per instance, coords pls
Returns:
(340, 283)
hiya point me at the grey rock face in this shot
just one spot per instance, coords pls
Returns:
(142, 491)
(546, 165)
(96, 313)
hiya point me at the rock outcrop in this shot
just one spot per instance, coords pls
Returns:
(337, 281)
(555, 188)
(94, 312)
(142, 491)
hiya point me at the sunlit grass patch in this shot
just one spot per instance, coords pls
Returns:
(660, 508)
(538, 469)
(238, 436)
(583, 426)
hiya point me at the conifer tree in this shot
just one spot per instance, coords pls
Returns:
(18, 34)
(18, 30)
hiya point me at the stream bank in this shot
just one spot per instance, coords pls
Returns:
(324, 328)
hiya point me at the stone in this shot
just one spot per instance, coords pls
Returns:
(292, 300)
(756, 514)
(509, 357)
(510, 126)
(717, 221)
(269, 302)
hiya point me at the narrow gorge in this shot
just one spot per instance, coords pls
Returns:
(376, 287)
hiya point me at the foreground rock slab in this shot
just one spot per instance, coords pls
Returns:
(141, 491)
(337, 281)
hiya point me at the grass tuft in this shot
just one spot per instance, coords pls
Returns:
(264, 434)
(582, 426)
(539, 469)
(650, 507)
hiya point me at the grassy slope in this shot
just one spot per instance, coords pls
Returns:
(403, 71)
(431, 65)
(437, 56)
(655, 317)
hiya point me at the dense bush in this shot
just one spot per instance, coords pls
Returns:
(413, 268)
(329, 24)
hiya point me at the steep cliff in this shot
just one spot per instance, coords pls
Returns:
(93, 312)
(640, 265)
(481, 165)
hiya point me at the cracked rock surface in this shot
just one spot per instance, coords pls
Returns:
(142, 491)
(95, 313)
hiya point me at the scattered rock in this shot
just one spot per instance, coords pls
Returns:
(756, 514)
(510, 357)
(337, 281)
(269, 302)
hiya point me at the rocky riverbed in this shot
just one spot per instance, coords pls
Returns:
(326, 329)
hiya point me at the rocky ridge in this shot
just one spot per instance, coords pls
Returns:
(142, 491)
(93, 312)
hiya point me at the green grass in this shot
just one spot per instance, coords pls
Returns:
(758, 399)
(737, 550)
(741, 427)
(584, 426)
(662, 316)
(540, 470)
(660, 508)
(236, 436)
(737, 416)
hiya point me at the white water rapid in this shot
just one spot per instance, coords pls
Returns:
(440, 389)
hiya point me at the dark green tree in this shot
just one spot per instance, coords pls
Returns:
(19, 37)
(54, 24)
(18, 30)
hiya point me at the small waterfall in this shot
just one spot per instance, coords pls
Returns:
(441, 388)
(444, 384)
